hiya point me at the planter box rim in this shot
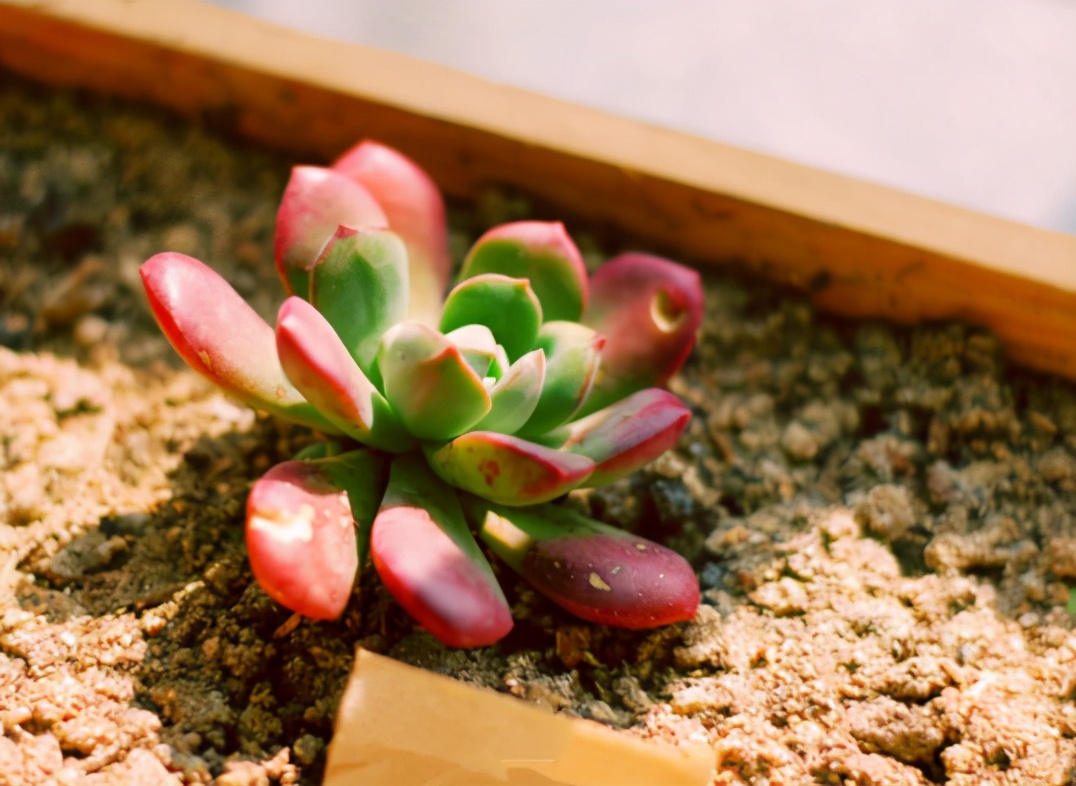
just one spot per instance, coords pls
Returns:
(860, 250)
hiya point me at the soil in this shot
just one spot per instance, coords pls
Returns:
(883, 519)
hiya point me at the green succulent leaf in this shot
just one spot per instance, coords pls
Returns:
(573, 354)
(480, 349)
(359, 284)
(430, 385)
(363, 475)
(507, 306)
(322, 448)
(628, 435)
(430, 562)
(506, 469)
(516, 395)
(541, 252)
(318, 364)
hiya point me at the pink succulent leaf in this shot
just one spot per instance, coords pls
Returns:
(429, 384)
(359, 284)
(301, 529)
(479, 349)
(515, 396)
(541, 252)
(415, 211)
(221, 337)
(573, 355)
(507, 469)
(598, 573)
(507, 306)
(429, 560)
(649, 309)
(627, 435)
(318, 364)
(316, 201)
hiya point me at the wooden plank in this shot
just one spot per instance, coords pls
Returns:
(858, 249)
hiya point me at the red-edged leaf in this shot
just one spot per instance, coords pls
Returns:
(316, 201)
(430, 562)
(479, 350)
(541, 252)
(596, 572)
(649, 309)
(507, 469)
(507, 306)
(415, 211)
(627, 435)
(301, 529)
(220, 336)
(573, 358)
(429, 383)
(515, 395)
(359, 284)
(319, 365)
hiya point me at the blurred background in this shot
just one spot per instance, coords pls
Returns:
(968, 101)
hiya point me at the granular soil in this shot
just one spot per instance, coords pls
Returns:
(883, 519)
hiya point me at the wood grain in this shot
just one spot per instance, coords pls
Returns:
(858, 249)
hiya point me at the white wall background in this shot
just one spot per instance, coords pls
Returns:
(968, 101)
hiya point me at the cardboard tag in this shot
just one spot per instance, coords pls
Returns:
(405, 726)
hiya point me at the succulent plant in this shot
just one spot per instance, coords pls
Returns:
(444, 416)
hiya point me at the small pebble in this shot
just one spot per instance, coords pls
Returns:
(307, 748)
(798, 442)
(90, 330)
(887, 511)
